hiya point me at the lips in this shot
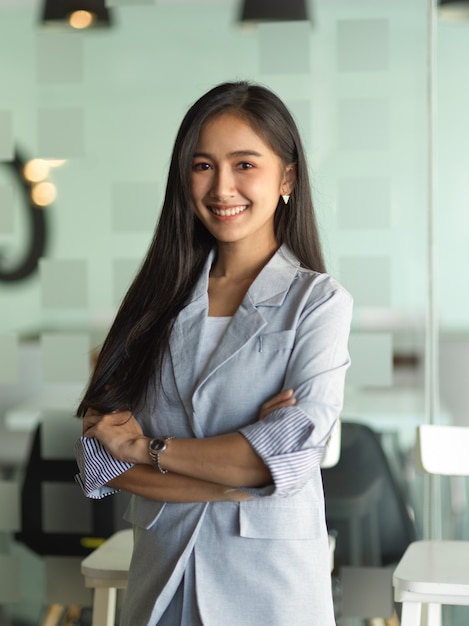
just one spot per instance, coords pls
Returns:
(228, 211)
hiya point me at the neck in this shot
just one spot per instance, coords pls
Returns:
(241, 262)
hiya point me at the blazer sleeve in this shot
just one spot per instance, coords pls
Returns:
(291, 440)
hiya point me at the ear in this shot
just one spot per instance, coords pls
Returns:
(289, 179)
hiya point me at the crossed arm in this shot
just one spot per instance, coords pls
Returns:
(199, 470)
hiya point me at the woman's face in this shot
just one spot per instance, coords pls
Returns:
(236, 182)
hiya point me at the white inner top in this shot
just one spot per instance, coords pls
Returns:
(215, 328)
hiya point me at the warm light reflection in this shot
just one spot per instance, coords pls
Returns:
(43, 194)
(36, 170)
(81, 19)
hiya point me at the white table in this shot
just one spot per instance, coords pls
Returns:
(106, 570)
(429, 575)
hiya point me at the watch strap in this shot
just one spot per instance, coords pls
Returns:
(155, 454)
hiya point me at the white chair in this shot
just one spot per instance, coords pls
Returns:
(331, 454)
(435, 573)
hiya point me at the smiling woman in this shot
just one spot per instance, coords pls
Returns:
(221, 381)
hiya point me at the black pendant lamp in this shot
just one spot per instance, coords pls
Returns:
(453, 10)
(256, 11)
(77, 14)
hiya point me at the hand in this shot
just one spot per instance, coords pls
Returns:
(236, 495)
(119, 432)
(281, 400)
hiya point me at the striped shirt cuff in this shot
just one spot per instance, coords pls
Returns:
(96, 468)
(280, 440)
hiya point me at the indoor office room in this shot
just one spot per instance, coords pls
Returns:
(92, 93)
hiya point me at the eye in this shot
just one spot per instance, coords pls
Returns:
(201, 166)
(245, 166)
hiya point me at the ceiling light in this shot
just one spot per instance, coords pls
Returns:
(43, 193)
(77, 14)
(36, 170)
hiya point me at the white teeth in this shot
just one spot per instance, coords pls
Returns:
(228, 212)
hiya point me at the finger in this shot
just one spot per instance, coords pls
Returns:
(90, 421)
(281, 404)
(265, 411)
(117, 418)
(283, 395)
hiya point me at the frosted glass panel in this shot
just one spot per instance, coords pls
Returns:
(362, 45)
(6, 136)
(9, 360)
(363, 124)
(6, 210)
(61, 133)
(372, 360)
(364, 203)
(134, 207)
(65, 357)
(301, 110)
(59, 58)
(111, 100)
(284, 48)
(123, 272)
(64, 283)
(368, 279)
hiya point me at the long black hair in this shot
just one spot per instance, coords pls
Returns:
(134, 347)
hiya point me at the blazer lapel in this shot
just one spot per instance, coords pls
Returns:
(268, 290)
(186, 340)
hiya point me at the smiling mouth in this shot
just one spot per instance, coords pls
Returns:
(228, 211)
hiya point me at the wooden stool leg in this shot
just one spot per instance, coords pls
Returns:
(411, 614)
(393, 620)
(53, 615)
(104, 606)
(72, 616)
(380, 621)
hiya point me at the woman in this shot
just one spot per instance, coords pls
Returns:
(221, 379)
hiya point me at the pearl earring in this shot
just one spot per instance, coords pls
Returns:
(286, 198)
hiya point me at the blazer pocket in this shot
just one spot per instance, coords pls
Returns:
(272, 518)
(273, 342)
(142, 512)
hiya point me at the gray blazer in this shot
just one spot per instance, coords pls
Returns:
(263, 561)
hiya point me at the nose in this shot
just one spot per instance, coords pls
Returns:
(223, 183)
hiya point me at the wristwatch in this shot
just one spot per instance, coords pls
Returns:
(155, 447)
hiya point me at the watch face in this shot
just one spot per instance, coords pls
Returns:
(157, 445)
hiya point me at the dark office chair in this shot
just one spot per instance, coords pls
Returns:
(57, 521)
(365, 503)
(366, 506)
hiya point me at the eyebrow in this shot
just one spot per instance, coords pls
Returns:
(236, 153)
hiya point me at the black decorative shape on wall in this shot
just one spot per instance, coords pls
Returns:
(37, 229)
